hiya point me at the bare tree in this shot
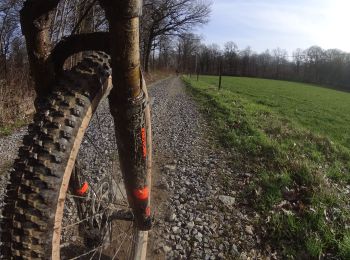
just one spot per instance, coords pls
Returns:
(187, 45)
(298, 57)
(170, 17)
(9, 29)
(279, 59)
(230, 58)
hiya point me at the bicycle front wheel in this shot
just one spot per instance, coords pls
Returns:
(66, 198)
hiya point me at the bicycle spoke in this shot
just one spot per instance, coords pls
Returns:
(100, 247)
(116, 253)
(102, 243)
(75, 196)
(126, 234)
(81, 221)
(106, 211)
(99, 257)
(117, 181)
(129, 248)
(85, 254)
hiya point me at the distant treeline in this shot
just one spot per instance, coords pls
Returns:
(313, 65)
(167, 43)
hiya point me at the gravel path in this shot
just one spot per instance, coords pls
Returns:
(8, 151)
(203, 215)
(9, 146)
(199, 211)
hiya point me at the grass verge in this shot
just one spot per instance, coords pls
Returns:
(298, 159)
(9, 128)
(16, 104)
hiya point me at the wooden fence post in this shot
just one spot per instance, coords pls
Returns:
(197, 66)
(220, 73)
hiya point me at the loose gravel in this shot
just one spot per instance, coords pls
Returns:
(8, 151)
(9, 146)
(199, 210)
(204, 215)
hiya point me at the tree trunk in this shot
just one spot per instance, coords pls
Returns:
(36, 18)
(147, 54)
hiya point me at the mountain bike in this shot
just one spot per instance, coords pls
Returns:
(69, 196)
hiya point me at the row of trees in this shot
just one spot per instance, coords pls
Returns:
(167, 42)
(313, 65)
(161, 19)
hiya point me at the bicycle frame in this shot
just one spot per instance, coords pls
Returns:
(127, 99)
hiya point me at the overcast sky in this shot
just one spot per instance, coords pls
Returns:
(288, 24)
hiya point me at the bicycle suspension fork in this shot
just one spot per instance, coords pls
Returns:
(127, 100)
(127, 103)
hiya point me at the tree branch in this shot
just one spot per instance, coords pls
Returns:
(83, 16)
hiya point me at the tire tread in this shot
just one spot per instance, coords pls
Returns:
(34, 184)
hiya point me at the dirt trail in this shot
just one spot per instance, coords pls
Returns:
(199, 211)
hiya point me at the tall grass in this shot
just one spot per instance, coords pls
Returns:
(16, 101)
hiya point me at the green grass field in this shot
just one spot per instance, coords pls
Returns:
(294, 137)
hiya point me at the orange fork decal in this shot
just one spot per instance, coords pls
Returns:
(83, 189)
(141, 194)
(143, 139)
(148, 211)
